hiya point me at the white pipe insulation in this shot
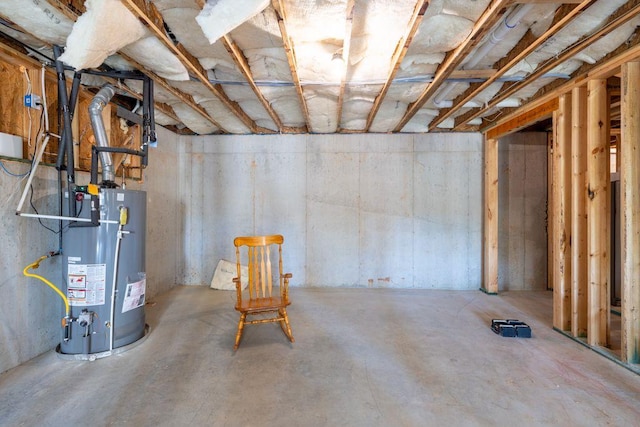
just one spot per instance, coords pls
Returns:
(510, 21)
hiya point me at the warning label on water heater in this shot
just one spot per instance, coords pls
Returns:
(134, 295)
(86, 284)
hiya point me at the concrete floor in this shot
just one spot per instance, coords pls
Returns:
(363, 357)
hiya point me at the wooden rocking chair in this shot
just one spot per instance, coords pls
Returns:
(261, 298)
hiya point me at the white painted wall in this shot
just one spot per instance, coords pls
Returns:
(522, 245)
(356, 210)
(30, 312)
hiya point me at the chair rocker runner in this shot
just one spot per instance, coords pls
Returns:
(258, 252)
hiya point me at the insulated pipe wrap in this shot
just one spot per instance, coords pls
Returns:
(98, 103)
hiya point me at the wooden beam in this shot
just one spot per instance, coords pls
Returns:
(490, 224)
(164, 108)
(598, 213)
(550, 233)
(187, 99)
(623, 15)
(578, 212)
(517, 54)
(561, 215)
(281, 15)
(184, 97)
(398, 56)
(546, 1)
(242, 63)
(525, 119)
(148, 13)
(346, 47)
(629, 154)
(604, 68)
(483, 25)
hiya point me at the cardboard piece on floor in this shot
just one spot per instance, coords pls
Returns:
(224, 274)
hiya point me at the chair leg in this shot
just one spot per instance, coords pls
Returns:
(286, 328)
(243, 316)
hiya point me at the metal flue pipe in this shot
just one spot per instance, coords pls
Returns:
(98, 103)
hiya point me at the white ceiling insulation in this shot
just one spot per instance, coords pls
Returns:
(321, 66)
(106, 27)
(219, 17)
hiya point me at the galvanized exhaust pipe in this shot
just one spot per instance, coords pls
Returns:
(98, 103)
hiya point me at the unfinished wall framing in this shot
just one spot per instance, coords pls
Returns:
(581, 205)
(21, 75)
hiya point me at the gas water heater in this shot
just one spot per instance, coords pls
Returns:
(102, 229)
(103, 251)
(104, 272)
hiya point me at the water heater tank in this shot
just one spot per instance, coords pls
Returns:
(107, 314)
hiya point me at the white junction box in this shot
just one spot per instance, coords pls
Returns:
(11, 146)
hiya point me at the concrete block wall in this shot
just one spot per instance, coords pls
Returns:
(356, 210)
(30, 311)
(522, 212)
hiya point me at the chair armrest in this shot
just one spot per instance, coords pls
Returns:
(284, 292)
(238, 283)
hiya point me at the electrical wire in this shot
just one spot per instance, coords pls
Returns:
(36, 211)
(29, 92)
(8, 172)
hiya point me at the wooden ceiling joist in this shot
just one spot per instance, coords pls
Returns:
(346, 47)
(243, 65)
(152, 18)
(623, 15)
(184, 97)
(281, 15)
(607, 66)
(523, 120)
(485, 23)
(398, 56)
(528, 44)
(72, 14)
(164, 108)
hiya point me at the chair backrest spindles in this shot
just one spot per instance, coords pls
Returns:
(260, 264)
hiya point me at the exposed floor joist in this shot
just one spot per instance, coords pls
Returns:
(484, 24)
(152, 18)
(72, 13)
(607, 66)
(164, 108)
(281, 15)
(346, 47)
(623, 15)
(243, 65)
(398, 56)
(526, 46)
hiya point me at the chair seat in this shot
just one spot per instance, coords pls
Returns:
(262, 304)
